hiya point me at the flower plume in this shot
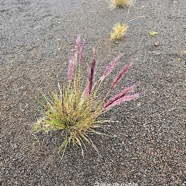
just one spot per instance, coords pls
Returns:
(78, 42)
(81, 53)
(118, 78)
(110, 67)
(91, 75)
(121, 100)
(70, 69)
(123, 93)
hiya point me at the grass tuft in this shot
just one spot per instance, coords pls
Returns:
(75, 109)
(119, 31)
(153, 33)
(122, 3)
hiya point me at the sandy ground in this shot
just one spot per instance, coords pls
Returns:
(149, 147)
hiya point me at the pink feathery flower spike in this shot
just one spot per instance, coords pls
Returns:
(110, 67)
(123, 93)
(121, 100)
(118, 78)
(91, 75)
(78, 41)
(70, 69)
(82, 52)
(85, 92)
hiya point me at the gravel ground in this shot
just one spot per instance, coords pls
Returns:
(149, 147)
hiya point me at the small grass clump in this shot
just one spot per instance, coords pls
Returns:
(119, 31)
(153, 33)
(75, 109)
(122, 3)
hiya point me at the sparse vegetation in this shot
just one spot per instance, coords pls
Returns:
(122, 3)
(153, 33)
(75, 110)
(119, 31)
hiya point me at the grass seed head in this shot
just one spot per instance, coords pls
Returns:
(122, 3)
(119, 31)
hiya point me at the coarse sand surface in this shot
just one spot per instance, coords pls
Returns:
(149, 144)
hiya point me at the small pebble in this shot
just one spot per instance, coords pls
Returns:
(14, 146)
(23, 88)
(175, 2)
(157, 43)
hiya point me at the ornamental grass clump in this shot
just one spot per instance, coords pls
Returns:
(75, 109)
(122, 3)
(119, 30)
